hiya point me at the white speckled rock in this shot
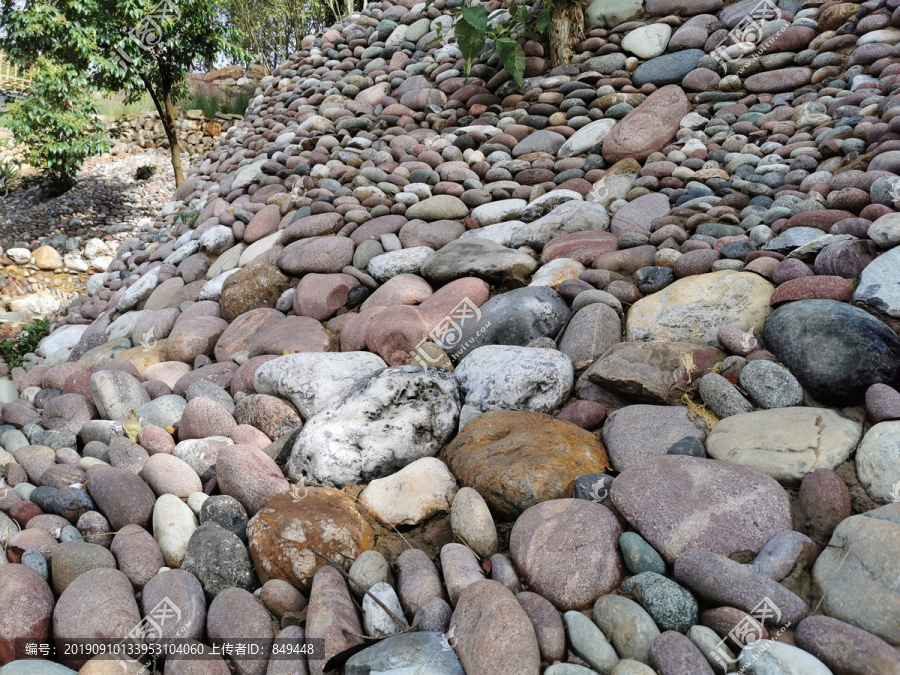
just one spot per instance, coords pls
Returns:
(515, 378)
(315, 381)
(387, 421)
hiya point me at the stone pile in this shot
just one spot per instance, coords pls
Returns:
(592, 375)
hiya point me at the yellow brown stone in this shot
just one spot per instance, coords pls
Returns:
(517, 459)
(282, 532)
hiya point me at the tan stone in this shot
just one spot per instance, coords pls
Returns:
(694, 308)
(413, 494)
(47, 258)
(517, 459)
(785, 443)
(144, 356)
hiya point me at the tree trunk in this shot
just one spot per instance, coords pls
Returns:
(168, 121)
(566, 30)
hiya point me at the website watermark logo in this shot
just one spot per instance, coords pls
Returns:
(149, 32)
(151, 627)
(747, 632)
(895, 492)
(149, 341)
(599, 192)
(298, 491)
(894, 192)
(748, 340)
(449, 334)
(743, 39)
(599, 490)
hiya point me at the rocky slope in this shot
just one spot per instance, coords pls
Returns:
(50, 246)
(595, 374)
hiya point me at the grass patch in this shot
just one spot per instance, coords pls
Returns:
(14, 349)
(212, 100)
(115, 107)
(205, 97)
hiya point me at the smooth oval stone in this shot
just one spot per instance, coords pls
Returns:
(866, 350)
(674, 653)
(639, 556)
(629, 628)
(588, 642)
(845, 648)
(670, 605)
(547, 624)
(181, 589)
(721, 580)
(718, 518)
(417, 653)
(537, 543)
(377, 621)
(23, 620)
(492, 632)
(766, 656)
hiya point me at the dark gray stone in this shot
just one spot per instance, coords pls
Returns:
(835, 350)
(671, 606)
(513, 318)
(219, 559)
(668, 68)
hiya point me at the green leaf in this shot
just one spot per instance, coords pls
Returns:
(469, 39)
(513, 57)
(543, 20)
(476, 16)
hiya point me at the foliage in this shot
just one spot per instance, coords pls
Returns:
(8, 171)
(238, 103)
(207, 101)
(134, 46)
(271, 30)
(57, 123)
(188, 216)
(116, 107)
(211, 100)
(14, 349)
(475, 29)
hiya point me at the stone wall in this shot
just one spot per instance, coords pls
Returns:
(196, 132)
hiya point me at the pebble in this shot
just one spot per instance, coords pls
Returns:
(863, 603)
(472, 522)
(393, 501)
(670, 605)
(537, 543)
(785, 443)
(718, 579)
(416, 653)
(376, 621)
(368, 569)
(639, 556)
(671, 476)
(629, 628)
(588, 642)
(493, 633)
